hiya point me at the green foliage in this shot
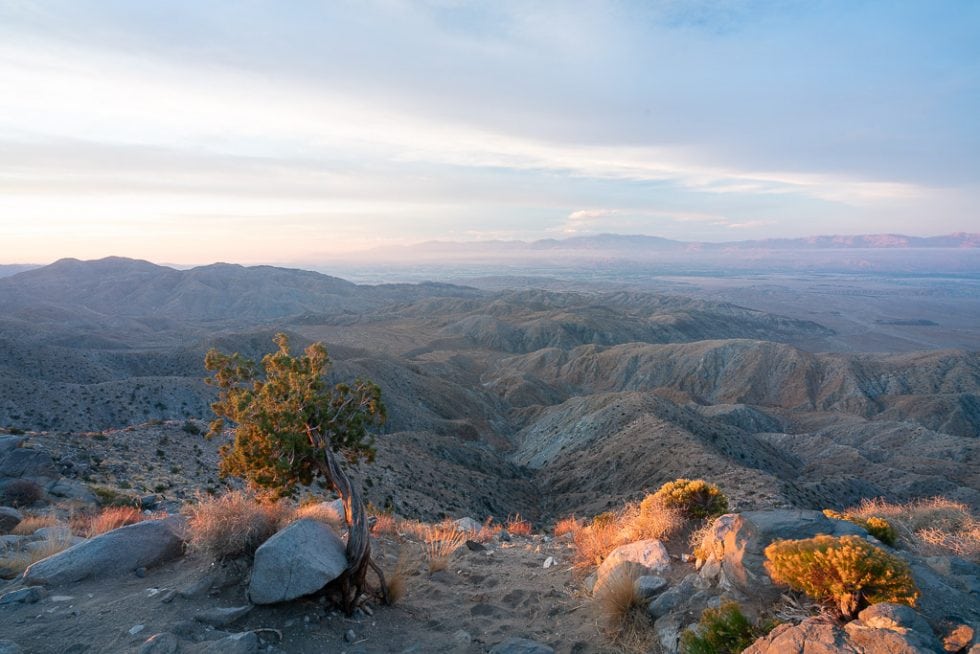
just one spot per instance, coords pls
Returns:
(724, 630)
(695, 497)
(111, 497)
(876, 526)
(847, 571)
(285, 413)
(191, 427)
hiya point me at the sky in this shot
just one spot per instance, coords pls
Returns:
(190, 131)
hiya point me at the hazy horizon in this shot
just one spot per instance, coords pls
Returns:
(267, 132)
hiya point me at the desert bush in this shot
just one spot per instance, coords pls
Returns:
(440, 542)
(697, 540)
(22, 492)
(518, 526)
(930, 527)
(191, 427)
(32, 523)
(384, 523)
(594, 542)
(113, 517)
(848, 571)
(397, 579)
(876, 526)
(695, 497)
(111, 497)
(652, 519)
(232, 525)
(568, 525)
(320, 512)
(724, 630)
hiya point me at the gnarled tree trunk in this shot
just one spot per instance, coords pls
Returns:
(352, 582)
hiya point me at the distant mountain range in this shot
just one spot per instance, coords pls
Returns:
(636, 243)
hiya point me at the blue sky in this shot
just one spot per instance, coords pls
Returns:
(256, 131)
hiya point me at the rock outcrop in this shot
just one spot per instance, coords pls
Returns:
(118, 552)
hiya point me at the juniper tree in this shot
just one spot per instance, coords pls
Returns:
(291, 428)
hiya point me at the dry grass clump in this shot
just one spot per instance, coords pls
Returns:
(518, 526)
(934, 526)
(384, 523)
(848, 572)
(32, 523)
(319, 511)
(232, 525)
(568, 525)
(15, 563)
(397, 580)
(621, 612)
(651, 518)
(440, 541)
(113, 517)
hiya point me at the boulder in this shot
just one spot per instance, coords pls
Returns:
(299, 560)
(644, 557)
(812, 636)
(72, 490)
(221, 616)
(672, 598)
(892, 627)
(28, 595)
(25, 462)
(468, 524)
(9, 443)
(114, 553)
(520, 646)
(9, 518)
(736, 542)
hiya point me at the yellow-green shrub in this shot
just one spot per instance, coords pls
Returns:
(848, 571)
(695, 497)
(876, 526)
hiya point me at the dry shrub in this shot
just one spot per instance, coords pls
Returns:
(32, 523)
(697, 538)
(569, 525)
(934, 526)
(22, 492)
(319, 511)
(113, 517)
(384, 523)
(594, 542)
(875, 526)
(487, 531)
(848, 571)
(621, 611)
(518, 526)
(232, 525)
(607, 531)
(15, 563)
(440, 542)
(414, 528)
(652, 519)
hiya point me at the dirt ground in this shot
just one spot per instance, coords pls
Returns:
(480, 599)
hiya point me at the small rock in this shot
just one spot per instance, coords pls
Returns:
(62, 598)
(671, 599)
(163, 643)
(222, 617)
(548, 562)
(462, 637)
(136, 628)
(686, 558)
(198, 588)
(9, 518)
(140, 572)
(520, 646)
(148, 502)
(474, 546)
(350, 636)
(958, 638)
(648, 586)
(28, 595)
(168, 595)
(504, 536)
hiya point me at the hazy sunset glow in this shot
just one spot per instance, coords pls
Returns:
(191, 132)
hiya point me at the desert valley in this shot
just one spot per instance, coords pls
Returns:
(516, 400)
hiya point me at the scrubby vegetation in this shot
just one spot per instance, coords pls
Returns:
(724, 630)
(848, 572)
(876, 526)
(695, 497)
(232, 525)
(441, 541)
(621, 612)
(22, 492)
(930, 527)
(113, 518)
